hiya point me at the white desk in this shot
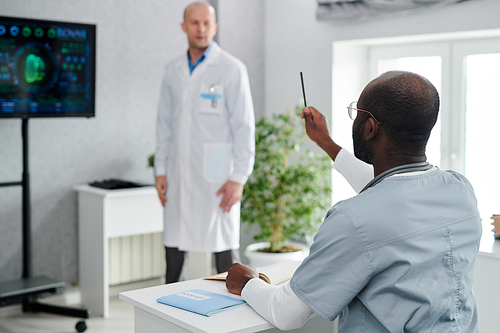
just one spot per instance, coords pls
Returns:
(104, 214)
(151, 316)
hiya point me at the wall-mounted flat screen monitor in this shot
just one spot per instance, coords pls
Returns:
(47, 68)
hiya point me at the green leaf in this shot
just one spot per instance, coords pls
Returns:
(289, 190)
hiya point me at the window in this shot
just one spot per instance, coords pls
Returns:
(482, 134)
(466, 137)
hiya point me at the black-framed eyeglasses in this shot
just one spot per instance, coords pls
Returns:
(352, 110)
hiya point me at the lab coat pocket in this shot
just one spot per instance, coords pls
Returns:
(217, 161)
(211, 98)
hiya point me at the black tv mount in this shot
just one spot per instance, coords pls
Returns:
(29, 289)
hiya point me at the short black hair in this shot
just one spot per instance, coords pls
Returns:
(406, 105)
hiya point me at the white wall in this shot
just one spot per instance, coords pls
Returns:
(241, 33)
(275, 38)
(135, 39)
(295, 41)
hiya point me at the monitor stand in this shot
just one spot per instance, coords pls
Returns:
(29, 289)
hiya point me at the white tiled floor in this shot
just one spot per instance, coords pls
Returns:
(121, 320)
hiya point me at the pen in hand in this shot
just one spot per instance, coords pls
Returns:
(303, 89)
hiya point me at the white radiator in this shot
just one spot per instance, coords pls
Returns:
(136, 258)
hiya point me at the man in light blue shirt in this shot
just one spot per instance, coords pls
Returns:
(399, 256)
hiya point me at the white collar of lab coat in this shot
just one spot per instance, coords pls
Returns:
(212, 58)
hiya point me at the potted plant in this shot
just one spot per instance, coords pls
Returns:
(289, 189)
(151, 161)
(151, 164)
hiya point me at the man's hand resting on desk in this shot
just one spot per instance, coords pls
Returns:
(238, 276)
(277, 304)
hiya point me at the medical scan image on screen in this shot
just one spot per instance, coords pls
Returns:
(46, 68)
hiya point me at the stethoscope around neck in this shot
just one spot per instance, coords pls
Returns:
(414, 167)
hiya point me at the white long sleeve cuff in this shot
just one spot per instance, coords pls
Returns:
(240, 179)
(355, 171)
(277, 304)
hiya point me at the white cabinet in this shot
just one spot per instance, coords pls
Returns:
(486, 277)
(102, 215)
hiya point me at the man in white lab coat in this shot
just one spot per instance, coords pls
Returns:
(205, 146)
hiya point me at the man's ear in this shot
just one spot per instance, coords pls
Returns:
(371, 129)
(183, 26)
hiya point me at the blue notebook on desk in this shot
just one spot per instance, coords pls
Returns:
(200, 301)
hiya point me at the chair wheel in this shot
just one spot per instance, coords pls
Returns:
(81, 326)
